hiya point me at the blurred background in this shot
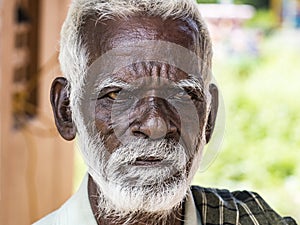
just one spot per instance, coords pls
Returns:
(256, 64)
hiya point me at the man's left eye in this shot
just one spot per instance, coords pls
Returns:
(182, 95)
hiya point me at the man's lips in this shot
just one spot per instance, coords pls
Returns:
(147, 161)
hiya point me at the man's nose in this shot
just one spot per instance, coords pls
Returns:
(154, 125)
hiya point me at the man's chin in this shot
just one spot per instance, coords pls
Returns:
(157, 198)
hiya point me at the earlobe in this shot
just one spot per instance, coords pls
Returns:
(213, 112)
(59, 97)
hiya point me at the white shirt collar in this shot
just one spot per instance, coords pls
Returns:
(191, 215)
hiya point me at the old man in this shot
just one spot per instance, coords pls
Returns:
(138, 94)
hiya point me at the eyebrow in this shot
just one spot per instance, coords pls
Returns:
(191, 82)
(112, 82)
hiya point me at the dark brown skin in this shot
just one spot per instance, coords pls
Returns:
(161, 121)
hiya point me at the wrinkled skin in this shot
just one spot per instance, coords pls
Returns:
(152, 117)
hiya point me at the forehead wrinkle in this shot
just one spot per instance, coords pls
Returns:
(142, 68)
(156, 69)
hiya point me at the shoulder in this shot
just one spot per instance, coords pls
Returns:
(218, 206)
(75, 211)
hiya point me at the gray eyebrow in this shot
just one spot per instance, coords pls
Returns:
(111, 82)
(190, 82)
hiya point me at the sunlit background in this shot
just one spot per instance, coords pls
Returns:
(256, 65)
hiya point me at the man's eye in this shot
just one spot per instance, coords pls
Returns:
(113, 95)
(182, 95)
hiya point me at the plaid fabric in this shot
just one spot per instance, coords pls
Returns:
(221, 207)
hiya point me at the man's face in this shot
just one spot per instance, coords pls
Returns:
(151, 83)
(148, 117)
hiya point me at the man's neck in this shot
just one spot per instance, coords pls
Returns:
(174, 218)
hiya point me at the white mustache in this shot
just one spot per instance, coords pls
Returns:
(119, 166)
(129, 153)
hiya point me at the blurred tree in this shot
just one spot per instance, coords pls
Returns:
(207, 1)
(265, 20)
(259, 4)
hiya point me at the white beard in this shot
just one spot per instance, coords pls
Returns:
(125, 189)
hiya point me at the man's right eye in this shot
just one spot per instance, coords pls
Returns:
(112, 95)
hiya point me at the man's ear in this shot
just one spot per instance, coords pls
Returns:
(213, 111)
(60, 101)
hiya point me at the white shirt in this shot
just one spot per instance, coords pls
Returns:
(77, 210)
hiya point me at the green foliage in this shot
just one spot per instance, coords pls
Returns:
(207, 1)
(265, 20)
(259, 4)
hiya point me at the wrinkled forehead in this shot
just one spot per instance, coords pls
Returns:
(101, 36)
(144, 59)
(144, 46)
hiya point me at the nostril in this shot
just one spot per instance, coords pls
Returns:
(153, 127)
(172, 129)
(140, 134)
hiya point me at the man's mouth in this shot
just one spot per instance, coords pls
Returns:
(147, 161)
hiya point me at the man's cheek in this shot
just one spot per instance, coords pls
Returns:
(107, 135)
(102, 123)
